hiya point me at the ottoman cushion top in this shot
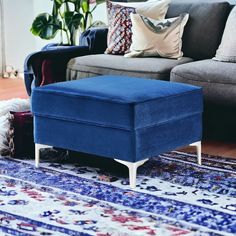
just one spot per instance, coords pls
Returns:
(117, 101)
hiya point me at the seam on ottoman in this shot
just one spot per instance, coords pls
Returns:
(113, 127)
(112, 101)
(80, 121)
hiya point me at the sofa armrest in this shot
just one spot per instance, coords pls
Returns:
(95, 39)
(49, 66)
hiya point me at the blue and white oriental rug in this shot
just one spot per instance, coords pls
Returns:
(174, 197)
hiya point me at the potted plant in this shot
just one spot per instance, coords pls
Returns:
(68, 17)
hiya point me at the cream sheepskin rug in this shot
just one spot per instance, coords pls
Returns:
(17, 105)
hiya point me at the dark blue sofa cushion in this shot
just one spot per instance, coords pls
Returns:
(118, 102)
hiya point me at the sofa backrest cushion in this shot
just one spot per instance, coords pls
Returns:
(227, 49)
(203, 32)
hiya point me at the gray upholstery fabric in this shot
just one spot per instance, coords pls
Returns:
(218, 79)
(102, 64)
(204, 29)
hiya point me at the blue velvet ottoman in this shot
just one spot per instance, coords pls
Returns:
(128, 119)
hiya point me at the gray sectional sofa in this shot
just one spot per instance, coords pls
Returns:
(202, 36)
(201, 39)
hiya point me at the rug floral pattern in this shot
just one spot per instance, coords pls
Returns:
(174, 197)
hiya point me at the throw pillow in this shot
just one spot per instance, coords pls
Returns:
(227, 49)
(162, 38)
(119, 22)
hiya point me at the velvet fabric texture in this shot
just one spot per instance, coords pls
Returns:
(117, 117)
(95, 39)
(49, 65)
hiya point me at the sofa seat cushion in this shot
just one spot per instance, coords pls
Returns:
(101, 64)
(218, 79)
(117, 102)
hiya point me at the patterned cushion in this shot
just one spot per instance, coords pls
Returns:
(162, 38)
(119, 34)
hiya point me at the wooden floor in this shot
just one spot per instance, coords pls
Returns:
(14, 88)
(216, 148)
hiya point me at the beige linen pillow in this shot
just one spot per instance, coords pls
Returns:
(162, 38)
(227, 49)
(119, 22)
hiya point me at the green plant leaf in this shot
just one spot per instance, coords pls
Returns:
(76, 20)
(67, 7)
(73, 1)
(68, 18)
(100, 1)
(45, 26)
(77, 5)
(59, 2)
(54, 10)
(72, 20)
(90, 19)
(84, 5)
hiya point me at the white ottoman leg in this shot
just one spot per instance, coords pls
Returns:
(198, 146)
(37, 153)
(133, 166)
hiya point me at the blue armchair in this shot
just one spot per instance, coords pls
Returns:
(49, 65)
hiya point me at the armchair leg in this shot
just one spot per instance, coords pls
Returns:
(37, 153)
(198, 146)
(133, 166)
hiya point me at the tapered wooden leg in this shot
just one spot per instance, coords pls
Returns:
(198, 146)
(133, 166)
(37, 153)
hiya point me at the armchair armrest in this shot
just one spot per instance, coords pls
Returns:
(49, 66)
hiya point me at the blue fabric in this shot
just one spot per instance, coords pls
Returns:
(33, 71)
(95, 39)
(118, 117)
(116, 101)
(128, 145)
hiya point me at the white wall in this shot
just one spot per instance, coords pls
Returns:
(18, 39)
(2, 48)
(100, 13)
